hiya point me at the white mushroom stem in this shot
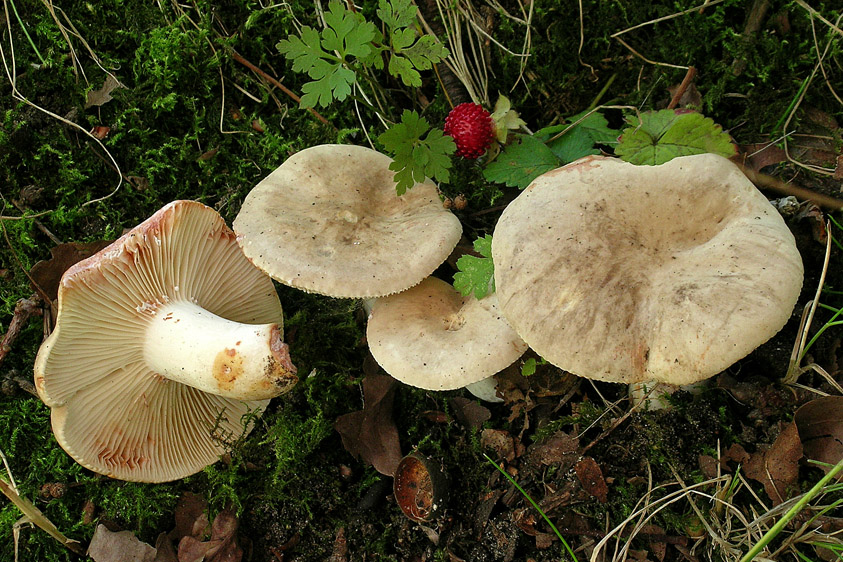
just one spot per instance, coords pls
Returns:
(187, 344)
(653, 395)
(486, 389)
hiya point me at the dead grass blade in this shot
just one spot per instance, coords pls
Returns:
(33, 514)
(11, 75)
(617, 35)
(795, 369)
(819, 66)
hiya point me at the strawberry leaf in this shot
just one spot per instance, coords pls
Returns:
(522, 162)
(398, 13)
(661, 136)
(347, 34)
(579, 140)
(414, 157)
(410, 53)
(476, 275)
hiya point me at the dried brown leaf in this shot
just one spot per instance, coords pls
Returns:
(500, 441)
(820, 425)
(47, 273)
(762, 154)
(193, 550)
(165, 550)
(690, 98)
(591, 478)
(340, 550)
(191, 517)
(708, 465)
(122, 546)
(103, 95)
(370, 434)
(658, 548)
(558, 449)
(469, 413)
(544, 541)
(777, 468)
(222, 547)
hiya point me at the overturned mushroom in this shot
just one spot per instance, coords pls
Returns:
(329, 221)
(164, 341)
(432, 337)
(633, 273)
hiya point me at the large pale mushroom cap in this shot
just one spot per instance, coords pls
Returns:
(432, 337)
(329, 221)
(631, 273)
(116, 408)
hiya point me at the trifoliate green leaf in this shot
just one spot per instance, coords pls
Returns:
(505, 118)
(414, 157)
(348, 35)
(661, 136)
(476, 275)
(579, 140)
(521, 162)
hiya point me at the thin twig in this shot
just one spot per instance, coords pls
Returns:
(237, 57)
(11, 75)
(22, 268)
(819, 16)
(55, 239)
(658, 20)
(611, 428)
(665, 18)
(763, 181)
(24, 310)
(686, 82)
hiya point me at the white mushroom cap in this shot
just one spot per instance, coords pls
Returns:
(632, 273)
(329, 221)
(164, 341)
(432, 337)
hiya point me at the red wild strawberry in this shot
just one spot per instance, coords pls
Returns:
(471, 127)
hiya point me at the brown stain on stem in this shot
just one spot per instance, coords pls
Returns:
(228, 366)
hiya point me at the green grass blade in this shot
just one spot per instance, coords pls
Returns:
(791, 513)
(526, 495)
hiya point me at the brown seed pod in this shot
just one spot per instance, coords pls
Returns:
(53, 490)
(460, 202)
(419, 486)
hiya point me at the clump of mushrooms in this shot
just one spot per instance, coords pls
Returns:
(628, 273)
(164, 342)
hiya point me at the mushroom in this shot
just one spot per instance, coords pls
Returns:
(329, 221)
(628, 273)
(164, 342)
(432, 337)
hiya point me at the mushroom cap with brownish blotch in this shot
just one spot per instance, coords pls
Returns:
(628, 273)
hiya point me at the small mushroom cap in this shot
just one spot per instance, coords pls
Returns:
(432, 337)
(329, 221)
(110, 412)
(632, 273)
